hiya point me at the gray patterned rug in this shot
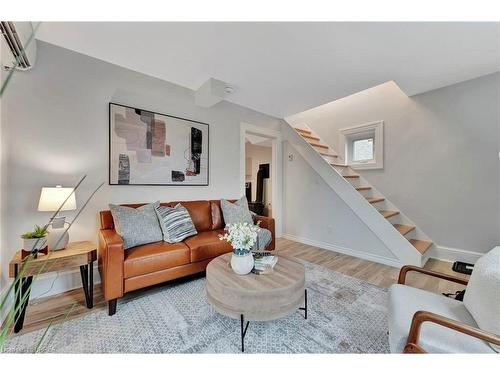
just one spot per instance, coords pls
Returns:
(346, 315)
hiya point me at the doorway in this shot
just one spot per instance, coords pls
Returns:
(261, 171)
(258, 184)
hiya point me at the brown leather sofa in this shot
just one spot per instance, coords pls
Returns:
(125, 270)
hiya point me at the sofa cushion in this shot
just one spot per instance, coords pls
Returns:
(175, 222)
(153, 257)
(405, 301)
(207, 245)
(137, 226)
(217, 219)
(200, 213)
(236, 212)
(482, 296)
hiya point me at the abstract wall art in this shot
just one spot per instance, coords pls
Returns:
(149, 148)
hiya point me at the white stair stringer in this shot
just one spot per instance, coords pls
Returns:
(395, 242)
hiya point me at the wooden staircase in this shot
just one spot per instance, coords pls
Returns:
(421, 245)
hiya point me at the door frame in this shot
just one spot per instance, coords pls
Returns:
(276, 170)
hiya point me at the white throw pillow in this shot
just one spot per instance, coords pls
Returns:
(482, 296)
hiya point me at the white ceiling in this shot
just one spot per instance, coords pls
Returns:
(285, 68)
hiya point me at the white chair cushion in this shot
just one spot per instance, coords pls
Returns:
(482, 296)
(404, 301)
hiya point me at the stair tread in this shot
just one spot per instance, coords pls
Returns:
(303, 130)
(314, 144)
(403, 228)
(375, 200)
(327, 154)
(363, 188)
(421, 245)
(387, 213)
(339, 165)
(310, 137)
(351, 176)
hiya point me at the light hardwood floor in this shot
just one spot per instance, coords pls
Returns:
(42, 312)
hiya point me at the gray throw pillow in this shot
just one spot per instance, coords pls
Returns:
(136, 226)
(236, 212)
(176, 223)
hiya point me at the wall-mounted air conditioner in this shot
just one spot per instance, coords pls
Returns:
(18, 44)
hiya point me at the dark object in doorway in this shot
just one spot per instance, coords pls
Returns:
(462, 267)
(261, 175)
(248, 191)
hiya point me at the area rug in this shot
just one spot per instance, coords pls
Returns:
(345, 315)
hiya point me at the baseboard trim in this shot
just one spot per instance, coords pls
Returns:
(452, 254)
(344, 250)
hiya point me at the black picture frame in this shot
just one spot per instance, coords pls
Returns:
(110, 183)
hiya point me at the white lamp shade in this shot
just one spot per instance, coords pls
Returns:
(52, 197)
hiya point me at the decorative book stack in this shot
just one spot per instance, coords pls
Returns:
(264, 263)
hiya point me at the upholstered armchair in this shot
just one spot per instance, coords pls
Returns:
(421, 321)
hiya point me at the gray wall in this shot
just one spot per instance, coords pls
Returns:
(315, 214)
(441, 163)
(56, 122)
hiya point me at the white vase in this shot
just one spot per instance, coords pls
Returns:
(242, 264)
(58, 237)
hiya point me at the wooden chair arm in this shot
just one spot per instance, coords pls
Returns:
(405, 269)
(412, 344)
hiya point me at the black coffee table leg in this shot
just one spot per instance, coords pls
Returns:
(22, 290)
(305, 304)
(87, 273)
(243, 332)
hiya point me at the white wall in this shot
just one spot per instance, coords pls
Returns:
(259, 155)
(57, 120)
(315, 214)
(2, 168)
(441, 164)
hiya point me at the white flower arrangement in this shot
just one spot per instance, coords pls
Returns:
(241, 236)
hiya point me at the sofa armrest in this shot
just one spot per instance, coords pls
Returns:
(268, 223)
(111, 258)
(413, 345)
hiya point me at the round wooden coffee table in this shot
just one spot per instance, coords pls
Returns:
(256, 297)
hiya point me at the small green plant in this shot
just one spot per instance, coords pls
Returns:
(39, 232)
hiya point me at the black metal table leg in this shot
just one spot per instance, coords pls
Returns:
(243, 332)
(91, 284)
(22, 290)
(305, 304)
(87, 273)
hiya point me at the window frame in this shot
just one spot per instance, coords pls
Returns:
(373, 130)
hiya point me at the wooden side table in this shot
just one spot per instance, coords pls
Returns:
(81, 254)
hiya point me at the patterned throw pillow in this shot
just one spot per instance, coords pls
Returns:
(264, 238)
(137, 226)
(176, 223)
(236, 212)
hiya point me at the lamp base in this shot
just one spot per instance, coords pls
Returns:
(58, 237)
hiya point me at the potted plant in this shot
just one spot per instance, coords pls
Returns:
(242, 237)
(33, 241)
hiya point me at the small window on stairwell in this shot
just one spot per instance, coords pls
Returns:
(363, 145)
(362, 150)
